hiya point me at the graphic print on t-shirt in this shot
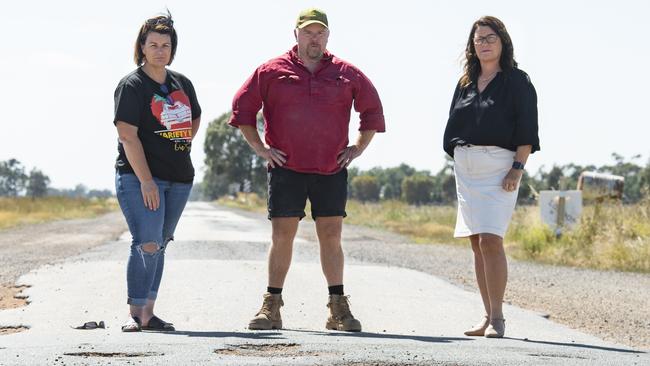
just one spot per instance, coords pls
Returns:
(175, 114)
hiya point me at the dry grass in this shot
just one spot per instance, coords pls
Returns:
(245, 201)
(423, 224)
(609, 236)
(16, 211)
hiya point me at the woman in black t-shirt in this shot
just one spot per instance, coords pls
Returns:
(156, 115)
(492, 128)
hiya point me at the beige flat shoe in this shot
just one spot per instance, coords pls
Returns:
(496, 329)
(479, 329)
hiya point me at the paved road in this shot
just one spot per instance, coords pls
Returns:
(215, 275)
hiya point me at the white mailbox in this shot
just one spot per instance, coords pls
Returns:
(600, 186)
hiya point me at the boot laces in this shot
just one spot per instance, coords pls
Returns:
(343, 307)
(267, 307)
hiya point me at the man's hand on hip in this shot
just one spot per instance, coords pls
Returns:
(274, 156)
(348, 154)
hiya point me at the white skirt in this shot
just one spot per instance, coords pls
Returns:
(483, 205)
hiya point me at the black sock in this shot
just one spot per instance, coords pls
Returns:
(336, 290)
(274, 290)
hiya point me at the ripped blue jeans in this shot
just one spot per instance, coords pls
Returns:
(145, 267)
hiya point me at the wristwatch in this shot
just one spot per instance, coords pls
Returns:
(517, 165)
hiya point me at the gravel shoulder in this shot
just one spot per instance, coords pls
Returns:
(28, 247)
(610, 305)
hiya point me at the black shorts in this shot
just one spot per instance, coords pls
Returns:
(289, 190)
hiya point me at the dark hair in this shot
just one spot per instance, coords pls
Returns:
(472, 65)
(162, 24)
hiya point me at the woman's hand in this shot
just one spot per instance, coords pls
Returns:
(150, 195)
(511, 181)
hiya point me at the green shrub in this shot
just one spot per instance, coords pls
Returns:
(418, 189)
(365, 188)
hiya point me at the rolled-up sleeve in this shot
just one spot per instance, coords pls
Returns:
(247, 102)
(368, 104)
(526, 126)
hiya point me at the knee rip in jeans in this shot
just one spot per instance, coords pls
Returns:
(152, 248)
(149, 248)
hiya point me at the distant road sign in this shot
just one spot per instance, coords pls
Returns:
(560, 208)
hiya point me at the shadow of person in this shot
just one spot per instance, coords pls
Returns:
(279, 334)
(282, 335)
(578, 345)
(269, 334)
(419, 338)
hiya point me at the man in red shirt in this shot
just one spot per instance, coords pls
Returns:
(307, 95)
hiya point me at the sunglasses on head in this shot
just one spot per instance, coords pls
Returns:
(160, 20)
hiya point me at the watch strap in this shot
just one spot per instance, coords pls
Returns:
(517, 165)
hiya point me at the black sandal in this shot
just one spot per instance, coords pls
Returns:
(132, 325)
(159, 325)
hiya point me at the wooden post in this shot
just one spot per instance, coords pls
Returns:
(561, 209)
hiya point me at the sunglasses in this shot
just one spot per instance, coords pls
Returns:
(165, 90)
(160, 20)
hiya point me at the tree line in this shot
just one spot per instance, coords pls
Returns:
(232, 166)
(15, 182)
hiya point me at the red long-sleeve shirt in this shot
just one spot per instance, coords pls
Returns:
(307, 115)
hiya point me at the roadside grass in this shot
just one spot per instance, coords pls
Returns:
(244, 201)
(16, 211)
(610, 236)
(423, 224)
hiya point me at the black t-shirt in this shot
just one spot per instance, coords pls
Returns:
(163, 114)
(504, 114)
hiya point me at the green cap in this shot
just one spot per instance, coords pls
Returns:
(311, 16)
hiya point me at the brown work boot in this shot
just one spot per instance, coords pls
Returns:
(340, 316)
(269, 315)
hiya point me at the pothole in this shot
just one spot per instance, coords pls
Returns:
(265, 350)
(11, 296)
(113, 354)
(11, 329)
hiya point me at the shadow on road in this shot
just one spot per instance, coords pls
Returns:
(579, 345)
(279, 335)
(248, 335)
(385, 336)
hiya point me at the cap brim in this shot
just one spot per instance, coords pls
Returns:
(303, 25)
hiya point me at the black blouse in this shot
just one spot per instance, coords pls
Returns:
(504, 114)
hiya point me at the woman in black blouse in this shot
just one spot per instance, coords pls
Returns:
(492, 128)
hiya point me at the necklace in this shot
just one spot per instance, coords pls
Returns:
(489, 77)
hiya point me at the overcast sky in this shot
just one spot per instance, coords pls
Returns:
(62, 60)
